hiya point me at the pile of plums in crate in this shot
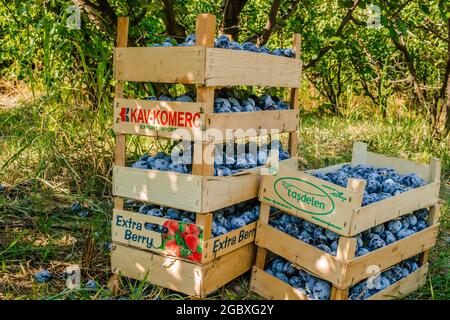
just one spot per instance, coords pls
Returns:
(224, 220)
(229, 159)
(372, 239)
(381, 183)
(225, 43)
(318, 289)
(231, 101)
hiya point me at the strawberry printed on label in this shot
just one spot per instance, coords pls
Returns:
(195, 256)
(193, 229)
(172, 248)
(172, 226)
(192, 241)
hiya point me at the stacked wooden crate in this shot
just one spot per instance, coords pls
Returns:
(200, 192)
(342, 212)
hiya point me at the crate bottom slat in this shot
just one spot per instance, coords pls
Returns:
(272, 288)
(189, 278)
(405, 286)
(269, 287)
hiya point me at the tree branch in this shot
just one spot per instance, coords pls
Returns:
(410, 64)
(101, 14)
(271, 26)
(338, 33)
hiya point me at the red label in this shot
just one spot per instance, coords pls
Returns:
(163, 118)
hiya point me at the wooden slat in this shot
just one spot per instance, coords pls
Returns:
(167, 272)
(403, 287)
(230, 242)
(228, 267)
(293, 136)
(205, 222)
(221, 192)
(186, 191)
(205, 30)
(272, 288)
(233, 68)
(359, 153)
(160, 64)
(170, 189)
(433, 218)
(118, 231)
(390, 255)
(385, 210)
(435, 170)
(313, 260)
(235, 125)
(339, 294)
(120, 147)
(327, 169)
(158, 118)
(211, 247)
(402, 166)
(204, 152)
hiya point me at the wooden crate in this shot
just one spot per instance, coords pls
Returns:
(200, 192)
(189, 121)
(188, 278)
(134, 234)
(340, 209)
(196, 193)
(207, 67)
(344, 269)
(273, 288)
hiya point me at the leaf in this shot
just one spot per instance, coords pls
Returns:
(345, 3)
(424, 8)
(335, 39)
(394, 34)
(402, 27)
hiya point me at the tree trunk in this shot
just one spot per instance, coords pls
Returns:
(173, 28)
(231, 12)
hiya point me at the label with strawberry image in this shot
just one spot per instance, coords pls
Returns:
(171, 237)
(182, 240)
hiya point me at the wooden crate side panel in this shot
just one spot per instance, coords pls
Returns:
(272, 288)
(403, 287)
(165, 64)
(228, 267)
(249, 124)
(167, 272)
(233, 68)
(129, 228)
(390, 255)
(305, 256)
(222, 192)
(229, 242)
(402, 166)
(385, 210)
(158, 118)
(328, 169)
(176, 190)
(310, 198)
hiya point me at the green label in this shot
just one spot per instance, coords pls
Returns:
(304, 196)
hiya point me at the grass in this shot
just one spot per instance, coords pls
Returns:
(53, 155)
